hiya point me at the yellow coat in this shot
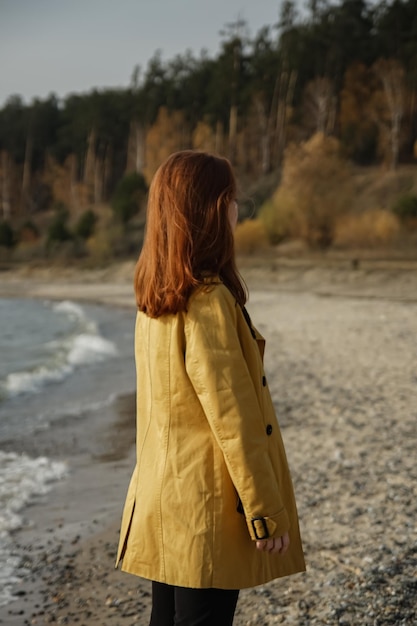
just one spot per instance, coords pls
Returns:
(210, 458)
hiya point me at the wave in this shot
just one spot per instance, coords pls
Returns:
(76, 410)
(89, 349)
(21, 479)
(82, 345)
(32, 382)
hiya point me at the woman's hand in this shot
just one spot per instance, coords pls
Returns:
(274, 545)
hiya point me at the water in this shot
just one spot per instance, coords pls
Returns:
(56, 360)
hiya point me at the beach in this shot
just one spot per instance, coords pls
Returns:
(341, 363)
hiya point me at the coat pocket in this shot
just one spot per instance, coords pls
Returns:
(124, 532)
(239, 506)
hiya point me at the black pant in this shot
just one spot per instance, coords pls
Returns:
(181, 606)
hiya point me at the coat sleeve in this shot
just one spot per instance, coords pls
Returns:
(221, 379)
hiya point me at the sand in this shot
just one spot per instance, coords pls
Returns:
(342, 367)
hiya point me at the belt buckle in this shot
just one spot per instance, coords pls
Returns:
(264, 526)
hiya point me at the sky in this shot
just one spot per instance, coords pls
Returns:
(73, 46)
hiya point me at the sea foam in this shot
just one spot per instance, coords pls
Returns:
(82, 345)
(21, 479)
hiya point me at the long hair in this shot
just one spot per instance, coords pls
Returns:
(188, 234)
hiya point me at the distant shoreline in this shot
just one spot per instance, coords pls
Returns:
(367, 276)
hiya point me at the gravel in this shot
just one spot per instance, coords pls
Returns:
(342, 369)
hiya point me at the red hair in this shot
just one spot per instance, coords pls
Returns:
(188, 233)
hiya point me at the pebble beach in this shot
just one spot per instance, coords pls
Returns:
(341, 363)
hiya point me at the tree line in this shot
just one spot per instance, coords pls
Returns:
(346, 70)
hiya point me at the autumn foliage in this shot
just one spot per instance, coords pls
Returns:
(306, 103)
(316, 189)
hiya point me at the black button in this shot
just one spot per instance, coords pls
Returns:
(269, 429)
(264, 381)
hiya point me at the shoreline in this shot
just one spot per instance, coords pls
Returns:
(76, 520)
(344, 276)
(338, 366)
(80, 514)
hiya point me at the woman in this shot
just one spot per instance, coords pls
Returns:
(210, 507)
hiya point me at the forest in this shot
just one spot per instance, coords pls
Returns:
(300, 109)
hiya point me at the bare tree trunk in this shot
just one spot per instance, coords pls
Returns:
(272, 120)
(285, 98)
(412, 102)
(232, 132)
(280, 116)
(320, 106)
(27, 173)
(218, 144)
(107, 169)
(90, 163)
(391, 74)
(234, 94)
(331, 118)
(135, 161)
(5, 186)
(395, 139)
(413, 108)
(321, 103)
(291, 87)
(73, 181)
(140, 148)
(263, 136)
(396, 109)
(131, 148)
(98, 180)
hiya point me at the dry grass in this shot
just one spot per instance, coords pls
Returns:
(316, 188)
(250, 237)
(370, 229)
(105, 241)
(378, 187)
(279, 217)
